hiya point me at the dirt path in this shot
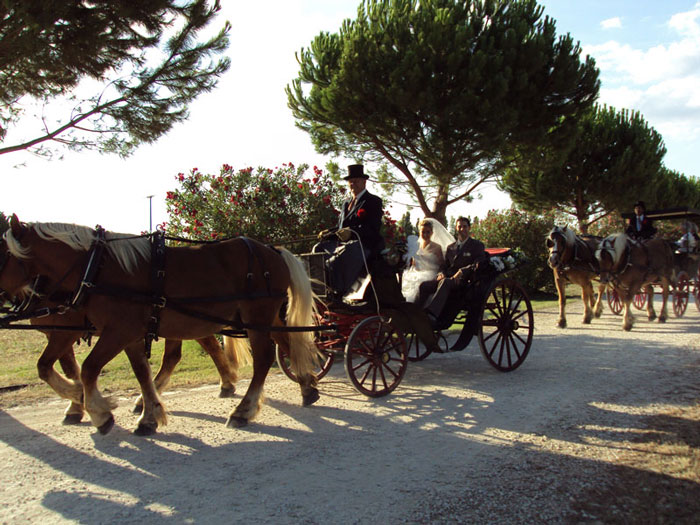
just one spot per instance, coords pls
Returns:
(458, 442)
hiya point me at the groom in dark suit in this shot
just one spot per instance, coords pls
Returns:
(432, 295)
(358, 232)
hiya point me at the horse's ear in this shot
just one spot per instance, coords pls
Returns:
(16, 226)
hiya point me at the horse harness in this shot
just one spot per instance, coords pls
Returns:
(156, 298)
(584, 265)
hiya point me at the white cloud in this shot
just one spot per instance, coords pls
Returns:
(611, 23)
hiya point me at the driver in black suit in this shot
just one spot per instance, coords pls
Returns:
(432, 295)
(358, 233)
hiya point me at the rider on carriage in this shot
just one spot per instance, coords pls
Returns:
(640, 227)
(357, 239)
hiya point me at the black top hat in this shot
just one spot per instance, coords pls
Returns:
(641, 205)
(356, 171)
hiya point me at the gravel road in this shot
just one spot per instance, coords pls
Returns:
(457, 442)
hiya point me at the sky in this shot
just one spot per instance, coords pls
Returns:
(648, 54)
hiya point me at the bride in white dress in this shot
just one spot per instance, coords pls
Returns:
(427, 256)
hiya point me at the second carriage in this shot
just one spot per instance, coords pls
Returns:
(686, 267)
(376, 332)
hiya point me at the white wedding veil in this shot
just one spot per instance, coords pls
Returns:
(440, 236)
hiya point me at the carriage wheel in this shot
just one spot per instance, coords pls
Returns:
(507, 325)
(680, 294)
(418, 352)
(326, 360)
(376, 357)
(614, 301)
(640, 300)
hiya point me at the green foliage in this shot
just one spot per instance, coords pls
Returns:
(268, 205)
(525, 231)
(143, 59)
(612, 153)
(443, 91)
(405, 223)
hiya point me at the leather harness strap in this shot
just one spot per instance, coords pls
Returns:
(157, 288)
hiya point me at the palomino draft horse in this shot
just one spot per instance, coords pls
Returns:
(572, 259)
(630, 265)
(192, 293)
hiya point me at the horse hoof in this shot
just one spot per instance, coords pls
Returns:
(72, 419)
(662, 319)
(145, 430)
(138, 408)
(562, 323)
(310, 398)
(105, 427)
(587, 321)
(236, 422)
(627, 328)
(227, 392)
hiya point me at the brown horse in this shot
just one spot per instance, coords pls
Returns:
(237, 282)
(60, 347)
(572, 259)
(630, 266)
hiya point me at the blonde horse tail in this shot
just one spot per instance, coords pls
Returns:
(237, 351)
(301, 311)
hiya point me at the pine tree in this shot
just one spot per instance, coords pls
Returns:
(444, 91)
(143, 58)
(614, 160)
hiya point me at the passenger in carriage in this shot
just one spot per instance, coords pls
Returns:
(357, 238)
(640, 226)
(427, 256)
(466, 251)
(688, 241)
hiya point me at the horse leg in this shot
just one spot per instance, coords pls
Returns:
(628, 318)
(60, 346)
(651, 314)
(598, 308)
(560, 283)
(307, 379)
(153, 409)
(263, 356)
(226, 365)
(71, 369)
(98, 407)
(172, 353)
(587, 299)
(665, 286)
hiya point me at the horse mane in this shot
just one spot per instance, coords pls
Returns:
(566, 232)
(614, 244)
(127, 252)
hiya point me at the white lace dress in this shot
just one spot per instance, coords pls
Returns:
(425, 267)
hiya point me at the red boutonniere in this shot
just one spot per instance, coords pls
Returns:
(361, 213)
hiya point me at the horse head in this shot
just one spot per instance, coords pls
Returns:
(16, 274)
(559, 243)
(609, 254)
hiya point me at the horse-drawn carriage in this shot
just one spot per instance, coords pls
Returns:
(379, 332)
(132, 289)
(686, 267)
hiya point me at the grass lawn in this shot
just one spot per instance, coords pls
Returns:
(19, 381)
